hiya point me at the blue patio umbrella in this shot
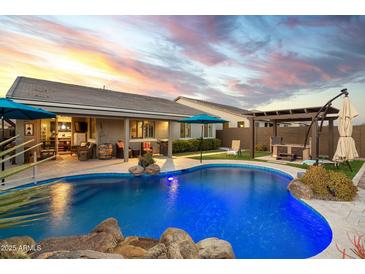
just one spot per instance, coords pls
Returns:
(12, 110)
(202, 119)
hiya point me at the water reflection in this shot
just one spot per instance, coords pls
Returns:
(173, 185)
(60, 199)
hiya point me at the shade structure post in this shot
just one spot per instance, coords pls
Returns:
(314, 141)
(252, 138)
(330, 138)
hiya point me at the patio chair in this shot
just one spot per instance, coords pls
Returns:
(119, 150)
(235, 148)
(89, 147)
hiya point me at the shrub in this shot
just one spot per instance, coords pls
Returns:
(261, 147)
(146, 160)
(328, 184)
(192, 145)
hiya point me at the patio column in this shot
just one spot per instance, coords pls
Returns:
(126, 139)
(169, 141)
(56, 135)
(252, 138)
(314, 150)
(330, 138)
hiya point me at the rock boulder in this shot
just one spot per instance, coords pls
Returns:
(16, 247)
(152, 169)
(78, 254)
(103, 238)
(159, 251)
(110, 226)
(214, 248)
(130, 251)
(136, 170)
(179, 244)
(300, 190)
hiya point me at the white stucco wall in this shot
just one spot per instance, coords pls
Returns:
(109, 130)
(232, 118)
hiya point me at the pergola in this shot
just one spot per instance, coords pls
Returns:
(296, 115)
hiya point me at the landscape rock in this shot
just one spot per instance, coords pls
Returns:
(16, 247)
(152, 169)
(300, 190)
(214, 248)
(159, 251)
(136, 170)
(103, 238)
(78, 254)
(110, 226)
(179, 244)
(130, 251)
(143, 242)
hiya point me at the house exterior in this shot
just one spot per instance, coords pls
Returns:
(236, 117)
(86, 114)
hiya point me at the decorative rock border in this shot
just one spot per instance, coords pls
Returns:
(106, 241)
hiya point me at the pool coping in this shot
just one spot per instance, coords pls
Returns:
(323, 208)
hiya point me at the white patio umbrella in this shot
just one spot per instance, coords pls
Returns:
(346, 149)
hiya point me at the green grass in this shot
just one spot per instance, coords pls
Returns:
(244, 156)
(343, 168)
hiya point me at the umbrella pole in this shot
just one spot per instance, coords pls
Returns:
(201, 144)
(348, 163)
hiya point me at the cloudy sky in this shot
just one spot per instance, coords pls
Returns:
(252, 62)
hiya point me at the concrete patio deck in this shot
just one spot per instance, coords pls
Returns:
(343, 217)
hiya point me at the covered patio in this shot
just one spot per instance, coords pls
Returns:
(286, 151)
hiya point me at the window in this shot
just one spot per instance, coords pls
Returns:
(208, 130)
(185, 130)
(241, 124)
(148, 129)
(142, 129)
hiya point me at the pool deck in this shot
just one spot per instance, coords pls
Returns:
(344, 217)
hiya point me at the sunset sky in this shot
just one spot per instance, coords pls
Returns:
(252, 62)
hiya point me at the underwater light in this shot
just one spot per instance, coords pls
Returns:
(170, 179)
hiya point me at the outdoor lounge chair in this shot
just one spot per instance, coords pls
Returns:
(235, 148)
(89, 147)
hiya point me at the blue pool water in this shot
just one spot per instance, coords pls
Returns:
(249, 207)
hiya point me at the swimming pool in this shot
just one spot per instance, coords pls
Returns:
(248, 206)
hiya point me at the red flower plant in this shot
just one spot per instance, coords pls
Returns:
(358, 249)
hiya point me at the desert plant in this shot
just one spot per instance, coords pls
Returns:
(146, 160)
(358, 249)
(327, 184)
(14, 203)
